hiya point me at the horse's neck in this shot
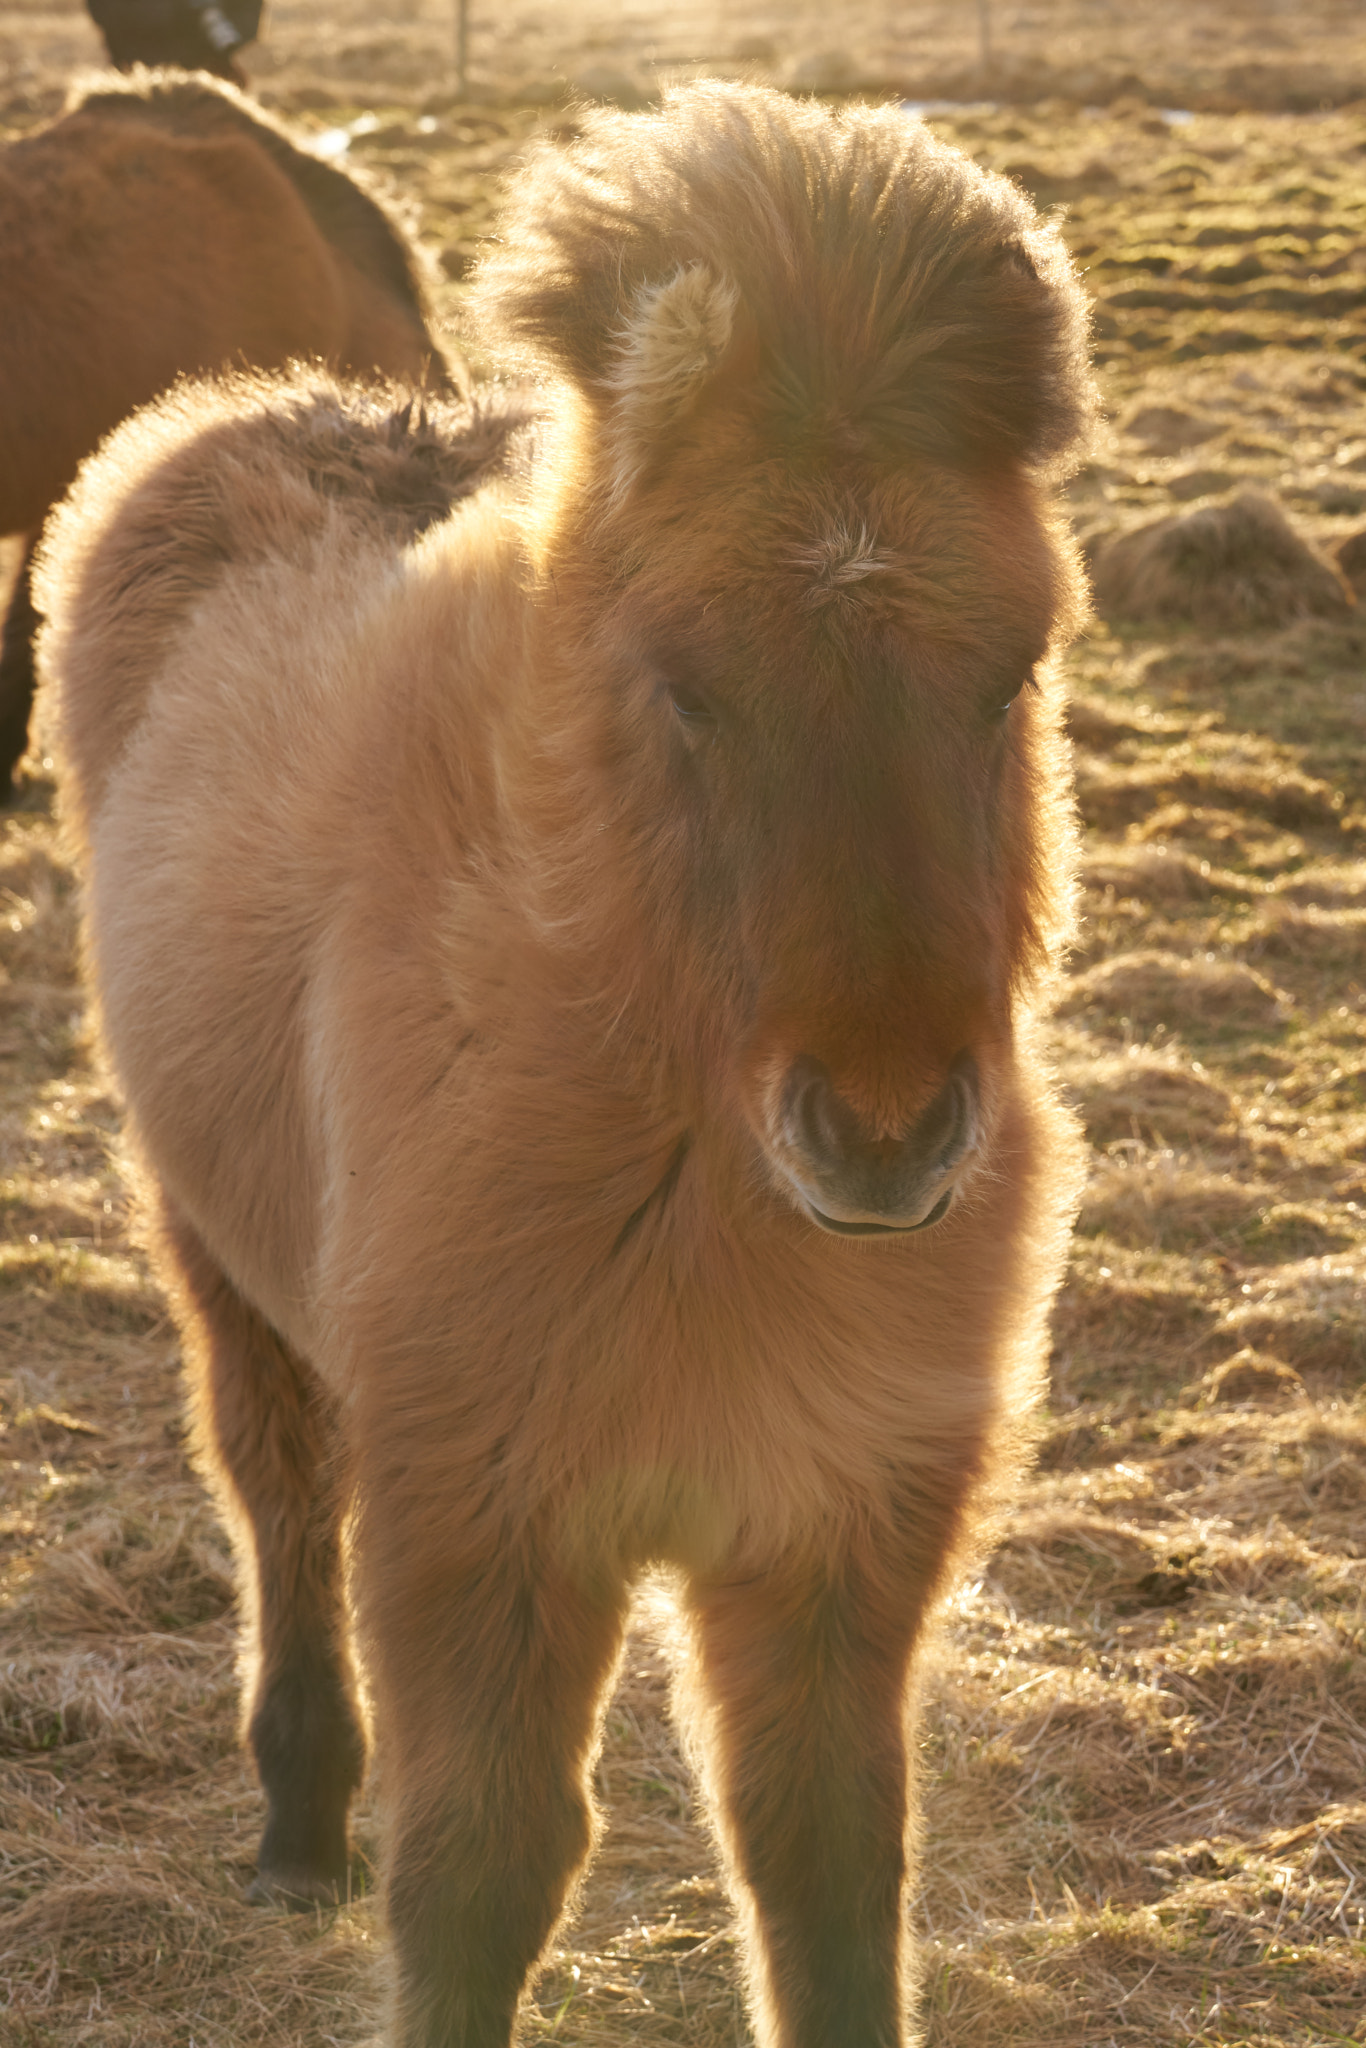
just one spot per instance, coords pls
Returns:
(574, 980)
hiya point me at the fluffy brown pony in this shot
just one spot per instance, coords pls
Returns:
(162, 226)
(571, 976)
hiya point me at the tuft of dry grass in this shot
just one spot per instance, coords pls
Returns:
(1143, 1747)
(1232, 566)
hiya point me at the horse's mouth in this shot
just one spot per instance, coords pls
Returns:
(839, 1229)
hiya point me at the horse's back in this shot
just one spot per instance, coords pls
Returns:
(383, 313)
(141, 241)
(257, 494)
(127, 259)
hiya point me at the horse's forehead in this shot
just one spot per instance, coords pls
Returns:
(842, 552)
(908, 547)
(788, 593)
(944, 570)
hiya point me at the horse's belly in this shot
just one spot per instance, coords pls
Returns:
(198, 1012)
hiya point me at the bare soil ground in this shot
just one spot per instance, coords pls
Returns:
(1144, 1745)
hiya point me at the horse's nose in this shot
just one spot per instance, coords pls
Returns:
(863, 1187)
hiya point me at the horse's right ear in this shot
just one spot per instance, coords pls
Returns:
(671, 339)
(582, 287)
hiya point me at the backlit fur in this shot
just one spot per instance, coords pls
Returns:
(672, 338)
(460, 900)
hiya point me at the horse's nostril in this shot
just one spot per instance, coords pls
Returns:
(947, 1131)
(815, 1118)
(948, 1127)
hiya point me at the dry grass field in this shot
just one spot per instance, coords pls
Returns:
(1144, 1744)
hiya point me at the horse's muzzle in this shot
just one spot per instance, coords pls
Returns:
(861, 1187)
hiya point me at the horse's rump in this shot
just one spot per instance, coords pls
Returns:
(349, 217)
(160, 228)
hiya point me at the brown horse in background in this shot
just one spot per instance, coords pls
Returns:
(164, 226)
(571, 975)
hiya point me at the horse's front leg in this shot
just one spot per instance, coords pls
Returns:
(800, 1687)
(489, 1670)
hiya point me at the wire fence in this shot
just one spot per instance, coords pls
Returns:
(461, 34)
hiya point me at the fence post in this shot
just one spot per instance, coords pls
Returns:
(462, 46)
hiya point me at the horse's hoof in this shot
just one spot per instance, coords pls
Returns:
(296, 1890)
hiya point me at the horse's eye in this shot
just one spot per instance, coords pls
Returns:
(1001, 700)
(691, 708)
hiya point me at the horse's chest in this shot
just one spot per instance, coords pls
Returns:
(685, 1424)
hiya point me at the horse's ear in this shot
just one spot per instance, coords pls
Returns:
(670, 341)
(594, 281)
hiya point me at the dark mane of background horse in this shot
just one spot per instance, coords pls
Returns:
(184, 323)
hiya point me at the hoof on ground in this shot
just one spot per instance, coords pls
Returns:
(296, 1890)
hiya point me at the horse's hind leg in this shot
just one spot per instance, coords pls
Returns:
(16, 672)
(270, 1445)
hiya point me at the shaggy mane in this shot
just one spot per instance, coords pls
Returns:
(893, 297)
(400, 465)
